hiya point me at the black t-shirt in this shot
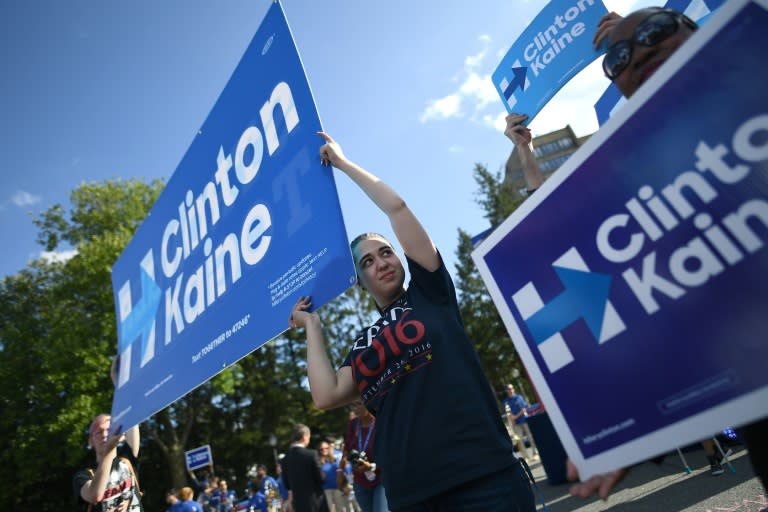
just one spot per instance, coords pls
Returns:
(121, 485)
(437, 421)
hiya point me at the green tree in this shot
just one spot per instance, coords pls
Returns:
(57, 332)
(481, 318)
(495, 196)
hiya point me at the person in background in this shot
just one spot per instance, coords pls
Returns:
(206, 499)
(336, 448)
(264, 482)
(330, 468)
(188, 504)
(359, 450)
(518, 417)
(345, 478)
(224, 498)
(286, 505)
(257, 501)
(199, 486)
(111, 485)
(303, 476)
(172, 500)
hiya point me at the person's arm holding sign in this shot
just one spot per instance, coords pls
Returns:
(330, 388)
(92, 490)
(132, 437)
(605, 27)
(521, 136)
(409, 231)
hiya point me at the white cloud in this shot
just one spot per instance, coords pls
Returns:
(474, 92)
(455, 149)
(57, 256)
(442, 108)
(479, 89)
(498, 122)
(23, 198)
(473, 61)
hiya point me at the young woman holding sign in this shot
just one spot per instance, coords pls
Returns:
(441, 444)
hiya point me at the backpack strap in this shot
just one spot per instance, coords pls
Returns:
(133, 474)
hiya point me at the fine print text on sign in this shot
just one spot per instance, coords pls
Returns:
(640, 314)
(249, 219)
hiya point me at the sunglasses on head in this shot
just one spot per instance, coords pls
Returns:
(651, 31)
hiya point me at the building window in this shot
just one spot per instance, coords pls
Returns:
(553, 163)
(554, 146)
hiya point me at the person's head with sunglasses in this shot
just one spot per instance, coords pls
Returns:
(640, 43)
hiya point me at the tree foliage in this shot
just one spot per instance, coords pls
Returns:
(495, 196)
(481, 318)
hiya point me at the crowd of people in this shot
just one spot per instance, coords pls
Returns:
(336, 476)
(406, 448)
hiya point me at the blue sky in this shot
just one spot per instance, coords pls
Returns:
(94, 90)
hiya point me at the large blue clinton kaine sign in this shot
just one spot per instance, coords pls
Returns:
(633, 281)
(249, 220)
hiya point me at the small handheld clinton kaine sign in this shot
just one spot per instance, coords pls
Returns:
(633, 281)
(551, 51)
(199, 457)
(249, 220)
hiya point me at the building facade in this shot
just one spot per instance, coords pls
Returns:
(550, 149)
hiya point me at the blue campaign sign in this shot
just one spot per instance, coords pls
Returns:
(632, 281)
(551, 51)
(199, 457)
(249, 220)
(697, 10)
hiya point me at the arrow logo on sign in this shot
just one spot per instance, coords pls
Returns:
(585, 297)
(139, 321)
(517, 81)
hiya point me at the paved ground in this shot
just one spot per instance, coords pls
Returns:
(667, 488)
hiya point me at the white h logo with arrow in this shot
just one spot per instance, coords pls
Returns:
(585, 298)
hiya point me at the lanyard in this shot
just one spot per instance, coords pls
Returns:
(360, 444)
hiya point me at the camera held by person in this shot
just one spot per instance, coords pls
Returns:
(355, 457)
